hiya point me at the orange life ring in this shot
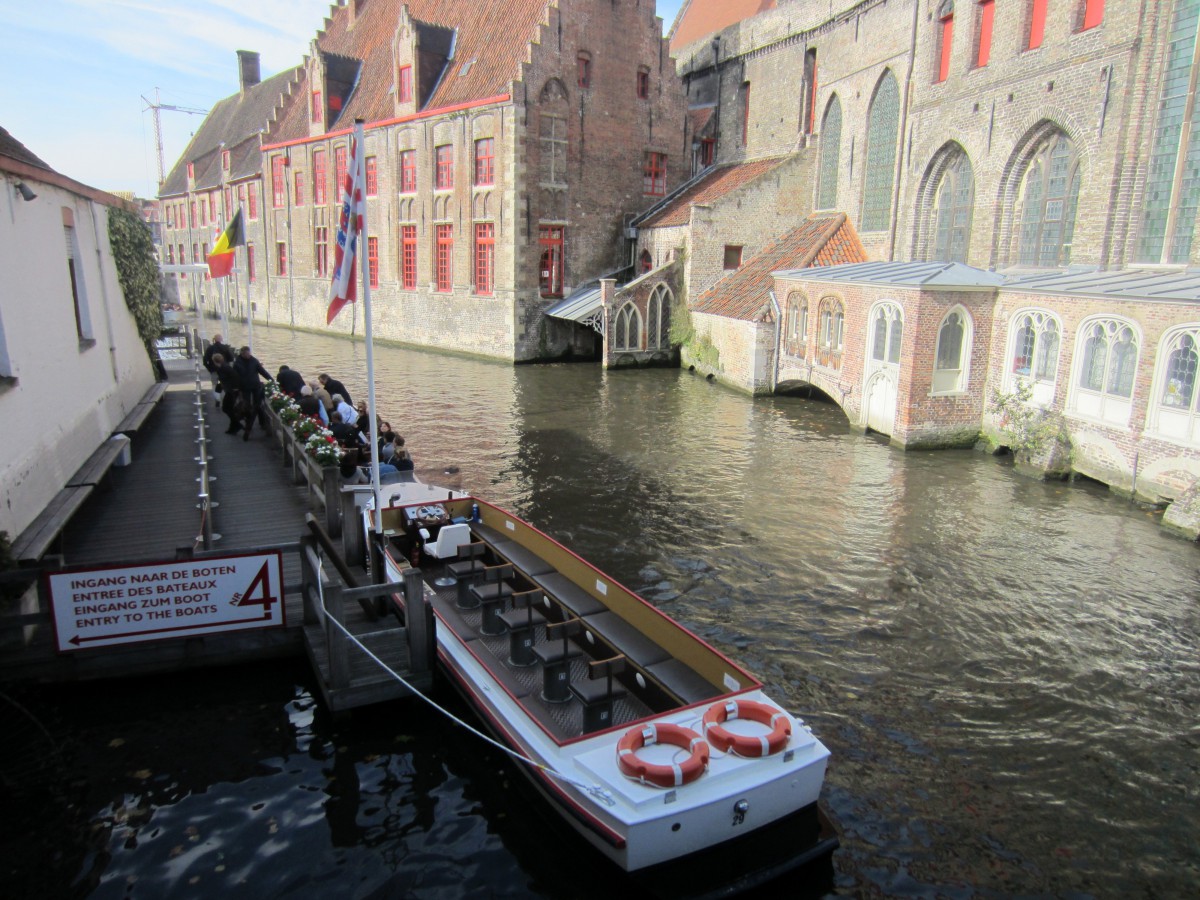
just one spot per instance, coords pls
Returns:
(665, 776)
(749, 745)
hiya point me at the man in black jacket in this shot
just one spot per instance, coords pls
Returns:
(231, 387)
(290, 382)
(248, 369)
(214, 348)
(334, 387)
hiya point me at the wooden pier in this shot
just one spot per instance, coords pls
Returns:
(193, 492)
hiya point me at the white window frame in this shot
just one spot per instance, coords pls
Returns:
(954, 381)
(1103, 406)
(1042, 390)
(1180, 425)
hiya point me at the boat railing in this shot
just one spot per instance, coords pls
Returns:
(323, 483)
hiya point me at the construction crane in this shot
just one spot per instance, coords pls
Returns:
(157, 105)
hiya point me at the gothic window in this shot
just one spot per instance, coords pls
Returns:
(627, 329)
(953, 354)
(1033, 354)
(1176, 415)
(953, 202)
(832, 320)
(827, 167)
(887, 334)
(1107, 365)
(658, 313)
(882, 128)
(1049, 193)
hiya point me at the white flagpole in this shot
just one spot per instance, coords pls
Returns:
(360, 179)
(237, 287)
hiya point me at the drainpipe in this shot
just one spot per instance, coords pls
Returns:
(900, 159)
(778, 338)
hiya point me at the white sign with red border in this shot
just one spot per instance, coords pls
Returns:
(157, 601)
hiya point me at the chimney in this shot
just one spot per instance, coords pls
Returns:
(351, 12)
(248, 71)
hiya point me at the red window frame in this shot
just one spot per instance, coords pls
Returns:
(947, 27)
(203, 213)
(225, 160)
(708, 151)
(250, 273)
(444, 268)
(643, 83)
(444, 177)
(1093, 14)
(485, 161)
(319, 176)
(281, 260)
(551, 268)
(191, 167)
(339, 171)
(372, 186)
(1037, 24)
(321, 250)
(810, 65)
(192, 215)
(983, 53)
(298, 178)
(278, 182)
(170, 255)
(373, 260)
(485, 258)
(654, 174)
(583, 70)
(252, 203)
(408, 257)
(228, 200)
(404, 84)
(212, 206)
(645, 262)
(170, 215)
(408, 171)
(317, 109)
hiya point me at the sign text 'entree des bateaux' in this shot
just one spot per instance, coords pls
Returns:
(159, 601)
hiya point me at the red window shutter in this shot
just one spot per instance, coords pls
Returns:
(317, 109)
(1037, 24)
(1093, 13)
(485, 248)
(372, 177)
(250, 261)
(986, 11)
(408, 262)
(947, 42)
(299, 179)
(373, 260)
(408, 171)
(404, 89)
(445, 254)
(339, 171)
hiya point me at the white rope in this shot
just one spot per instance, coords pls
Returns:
(593, 790)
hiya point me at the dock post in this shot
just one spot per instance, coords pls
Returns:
(336, 642)
(331, 487)
(352, 532)
(310, 577)
(418, 622)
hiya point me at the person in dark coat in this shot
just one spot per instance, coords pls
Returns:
(213, 349)
(333, 386)
(309, 405)
(231, 389)
(249, 369)
(344, 433)
(290, 382)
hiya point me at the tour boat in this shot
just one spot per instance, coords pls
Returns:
(665, 755)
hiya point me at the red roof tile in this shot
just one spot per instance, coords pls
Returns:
(825, 239)
(713, 186)
(700, 18)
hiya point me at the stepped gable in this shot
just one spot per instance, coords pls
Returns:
(232, 121)
(700, 18)
(711, 187)
(825, 239)
(14, 149)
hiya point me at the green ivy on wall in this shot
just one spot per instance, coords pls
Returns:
(137, 270)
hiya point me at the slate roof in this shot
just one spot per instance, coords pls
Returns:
(920, 275)
(236, 121)
(711, 186)
(14, 149)
(825, 240)
(1135, 284)
(700, 18)
(490, 41)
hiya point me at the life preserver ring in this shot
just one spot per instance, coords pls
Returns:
(749, 745)
(665, 776)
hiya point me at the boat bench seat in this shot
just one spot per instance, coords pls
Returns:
(488, 534)
(567, 594)
(624, 638)
(683, 681)
(524, 561)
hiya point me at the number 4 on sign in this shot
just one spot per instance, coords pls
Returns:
(262, 584)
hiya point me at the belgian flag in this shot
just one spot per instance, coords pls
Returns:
(220, 261)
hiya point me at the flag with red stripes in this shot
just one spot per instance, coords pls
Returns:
(342, 290)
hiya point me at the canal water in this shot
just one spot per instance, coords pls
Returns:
(1007, 672)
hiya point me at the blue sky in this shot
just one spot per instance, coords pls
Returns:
(73, 74)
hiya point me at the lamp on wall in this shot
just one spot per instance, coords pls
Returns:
(23, 189)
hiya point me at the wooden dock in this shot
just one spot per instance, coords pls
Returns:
(153, 510)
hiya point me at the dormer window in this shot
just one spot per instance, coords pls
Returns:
(404, 92)
(317, 109)
(191, 170)
(584, 69)
(643, 83)
(225, 160)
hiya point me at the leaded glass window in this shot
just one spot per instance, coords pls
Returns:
(954, 201)
(831, 138)
(1179, 385)
(950, 339)
(882, 128)
(628, 326)
(953, 352)
(1109, 358)
(1049, 195)
(1035, 346)
(658, 313)
(888, 333)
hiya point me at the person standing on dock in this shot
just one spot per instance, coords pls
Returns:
(334, 387)
(231, 387)
(248, 369)
(217, 346)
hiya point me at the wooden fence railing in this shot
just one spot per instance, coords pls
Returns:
(324, 483)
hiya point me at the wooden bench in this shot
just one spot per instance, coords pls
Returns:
(138, 415)
(35, 540)
(98, 464)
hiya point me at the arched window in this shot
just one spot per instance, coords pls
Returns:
(827, 170)
(1176, 415)
(658, 319)
(953, 202)
(797, 324)
(883, 123)
(951, 362)
(645, 262)
(1107, 366)
(1049, 193)
(628, 329)
(887, 333)
(832, 318)
(1033, 353)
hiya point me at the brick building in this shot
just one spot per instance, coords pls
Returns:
(507, 146)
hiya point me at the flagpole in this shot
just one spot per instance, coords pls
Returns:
(237, 289)
(361, 239)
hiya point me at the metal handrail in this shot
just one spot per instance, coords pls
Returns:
(204, 500)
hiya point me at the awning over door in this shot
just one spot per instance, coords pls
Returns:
(584, 306)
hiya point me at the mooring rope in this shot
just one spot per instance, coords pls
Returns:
(593, 790)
